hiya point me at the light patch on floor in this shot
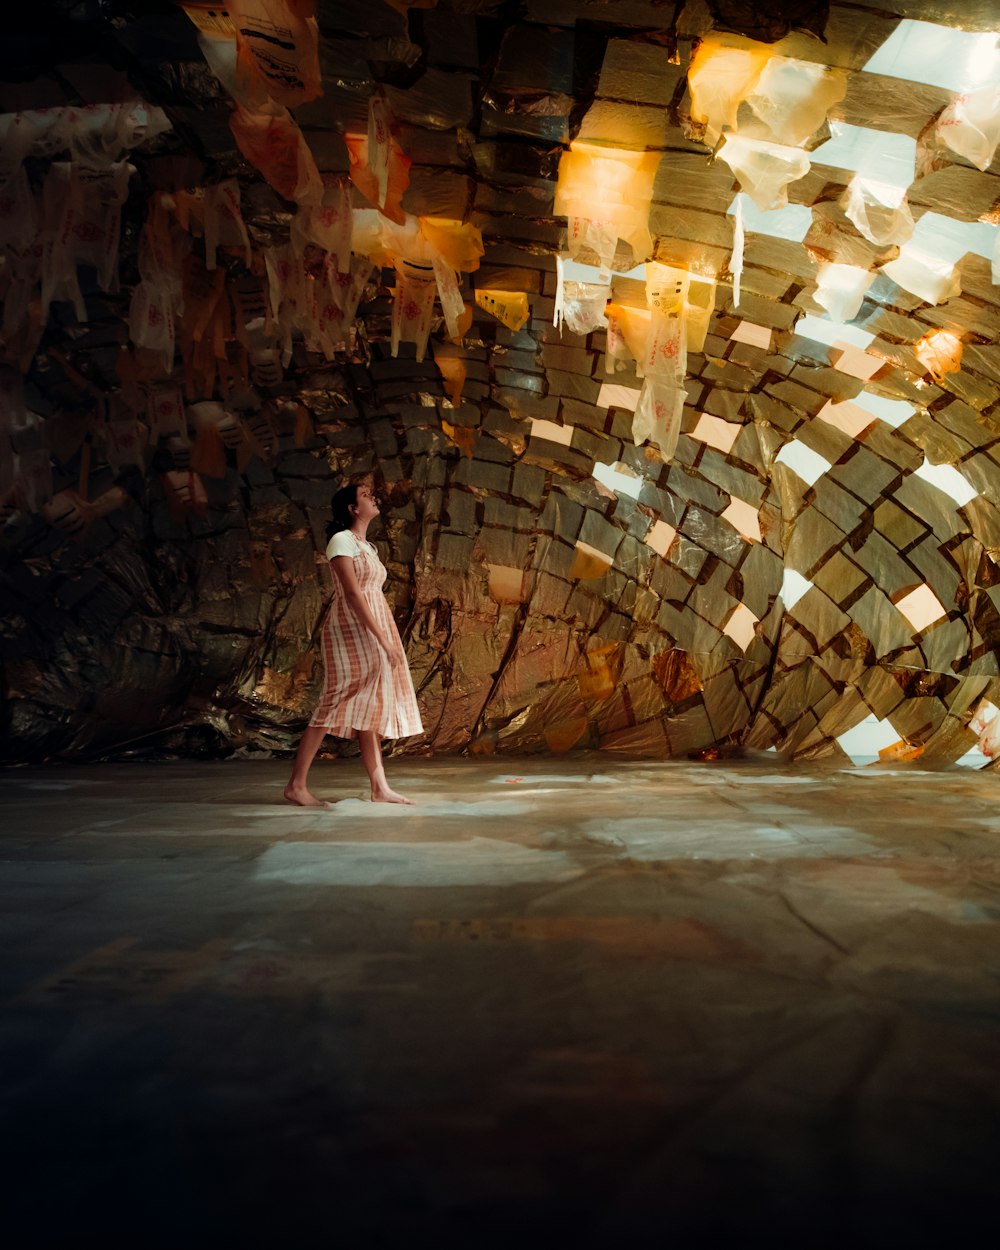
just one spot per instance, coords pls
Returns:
(479, 861)
(661, 840)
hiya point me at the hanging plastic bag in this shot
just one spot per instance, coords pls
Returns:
(223, 221)
(605, 195)
(879, 210)
(165, 413)
(720, 79)
(412, 307)
(764, 169)
(970, 125)
(665, 355)
(736, 259)
(82, 217)
(930, 277)
(278, 45)
(328, 224)
(458, 243)
(628, 333)
(369, 181)
(274, 145)
(450, 296)
(580, 305)
(509, 307)
(792, 98)
(658, 415)
(841, 289)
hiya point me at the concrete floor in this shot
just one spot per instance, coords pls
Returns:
(563, 1002)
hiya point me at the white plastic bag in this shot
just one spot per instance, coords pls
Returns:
(970, 125)
(764, 170)
(719, 79)
(932, 278)
(658, 415)
(605, 195)
(840, 290)
(82, 216)
(879, 210)
(792, 98)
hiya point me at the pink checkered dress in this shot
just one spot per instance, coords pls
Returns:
(361, 690)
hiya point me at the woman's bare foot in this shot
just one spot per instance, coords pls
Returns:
(390, 796)
(301, 797)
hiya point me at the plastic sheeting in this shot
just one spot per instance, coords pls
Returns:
(841, 289)
(720, 79)
(275, 146)
(970, 125)
(764, 170)
(579, 305)
(879, 210)
(278, 47)
(792, 97)
(605, 194)
(81, 226)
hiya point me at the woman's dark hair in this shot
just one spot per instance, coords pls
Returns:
(340, 509)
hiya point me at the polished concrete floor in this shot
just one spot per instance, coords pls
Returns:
(563, 1002)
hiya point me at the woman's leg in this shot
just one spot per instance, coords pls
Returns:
(297, 790)
(371, 757)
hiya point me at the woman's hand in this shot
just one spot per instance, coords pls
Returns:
(396, 657)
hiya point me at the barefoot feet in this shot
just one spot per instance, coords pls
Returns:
(301, 797)
(390, 796)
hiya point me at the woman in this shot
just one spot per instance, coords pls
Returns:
(368, 693)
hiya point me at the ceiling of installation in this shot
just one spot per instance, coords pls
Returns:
(668, 332)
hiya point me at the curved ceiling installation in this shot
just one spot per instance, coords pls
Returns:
(667, 333)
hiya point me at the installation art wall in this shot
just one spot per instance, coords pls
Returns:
(667, 335)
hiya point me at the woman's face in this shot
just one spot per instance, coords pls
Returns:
(367, 507)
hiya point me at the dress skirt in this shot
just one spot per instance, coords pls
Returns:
(361, 690)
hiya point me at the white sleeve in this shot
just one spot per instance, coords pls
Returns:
(342, 544)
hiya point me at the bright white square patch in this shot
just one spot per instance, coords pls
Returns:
(922, 608)
(752, 334)
(846, 416)
(743, 517)
(716, 433)
(660, 538)
(740, 626)
(551, 432)
(809, 465)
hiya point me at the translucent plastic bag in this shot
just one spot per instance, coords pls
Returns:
(380, 169)
(970, 125)
(841, 289)
(274, 145)
(279, 47)
(792, 98)
(509, 307)
(932, 278)
(18, 213)
(605, 195)
(579, 305)
(658, 415)
(223, 221)
(628, 334)
(879, 210)
(412, 309)
(328, 224)
(719, 79)
(458, 243)
(82, 219)
(665, 355)
(764, 170)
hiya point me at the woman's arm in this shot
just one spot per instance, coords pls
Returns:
(343, 568)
